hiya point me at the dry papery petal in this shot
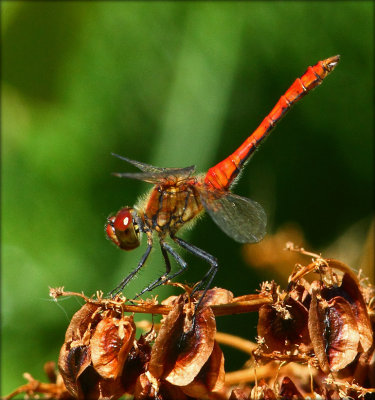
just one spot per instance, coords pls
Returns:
(110, 345)
(214, 296)
(289, 391)
(85, 318)
(75, 354)
(364, 373)
(240, 394)
(262, 391)
(350, 291)
(181, 348)
(209, 383)
(72, 363)
(135, 364)
(85, 382)
(333, 332)
(301, 292)
(341, 333)
(147, 388)
(91, 360)
(284, 328)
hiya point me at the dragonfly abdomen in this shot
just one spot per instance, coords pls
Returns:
(222, 175)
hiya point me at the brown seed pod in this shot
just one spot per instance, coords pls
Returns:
(239, 394)
(284, 328)
(148, 388)
(75, 354)
(110, 345)
(352, 293)
(341, 333)
(209, 383)
(333, 331)
(135, 364)
(182, 348)
(97, 343)
(289, 391)
(262, 391)
(73, 361)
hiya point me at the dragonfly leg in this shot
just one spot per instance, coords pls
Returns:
(209, 276)
(165, 249)
(162, 278)
(125, 281)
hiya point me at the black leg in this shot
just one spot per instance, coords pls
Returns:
(162, 278)
(121, 286)
(165, 249)
(209, 276)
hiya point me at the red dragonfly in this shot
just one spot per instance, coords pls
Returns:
(179, 196)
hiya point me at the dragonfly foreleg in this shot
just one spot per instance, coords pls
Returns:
(125, 281)
(162, 279)
(209, 276)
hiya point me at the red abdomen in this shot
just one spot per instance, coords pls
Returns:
(222, 175)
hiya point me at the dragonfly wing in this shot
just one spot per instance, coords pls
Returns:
(158, 170)
(154, 174)
(141, 176)
(239, 217)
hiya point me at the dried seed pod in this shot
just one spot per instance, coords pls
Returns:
(284, 328)
(110, 345)
(262, 391)
(289, 391)
(86, 318)
(239, 394)
(144, 390)
(214, 296)
(182, 348)
(316, 325)
(75, 354)
(147, 388)
(333, 332)
(209, 383)
(135, 364)
(92, 358)
(301, 292)
(341, 333)
(353, 294)
(364, 373)
(73, 361)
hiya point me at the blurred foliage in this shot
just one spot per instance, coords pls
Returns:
(171, 84)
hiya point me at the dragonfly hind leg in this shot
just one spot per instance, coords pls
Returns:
(209, 276)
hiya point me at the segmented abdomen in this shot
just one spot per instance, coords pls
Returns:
(222, 175)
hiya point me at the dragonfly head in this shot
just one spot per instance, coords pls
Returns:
(123, 229)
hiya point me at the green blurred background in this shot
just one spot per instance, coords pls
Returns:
(171, 84)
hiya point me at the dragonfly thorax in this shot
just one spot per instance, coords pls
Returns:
(171, 206)
(123, 229)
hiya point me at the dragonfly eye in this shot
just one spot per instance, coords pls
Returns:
(110, 231)
(123, 229)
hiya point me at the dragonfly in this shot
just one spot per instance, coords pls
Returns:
(179, 197)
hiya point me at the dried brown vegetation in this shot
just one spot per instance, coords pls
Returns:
(315, 340)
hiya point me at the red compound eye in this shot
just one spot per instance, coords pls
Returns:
(123, 220)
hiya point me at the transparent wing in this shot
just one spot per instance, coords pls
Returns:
(154, 174)
(239, 217)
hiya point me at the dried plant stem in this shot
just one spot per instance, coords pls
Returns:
(317, 263)
(34, 386)
(250, 374)
(254, 374)
(236, 342)
(251, 303)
